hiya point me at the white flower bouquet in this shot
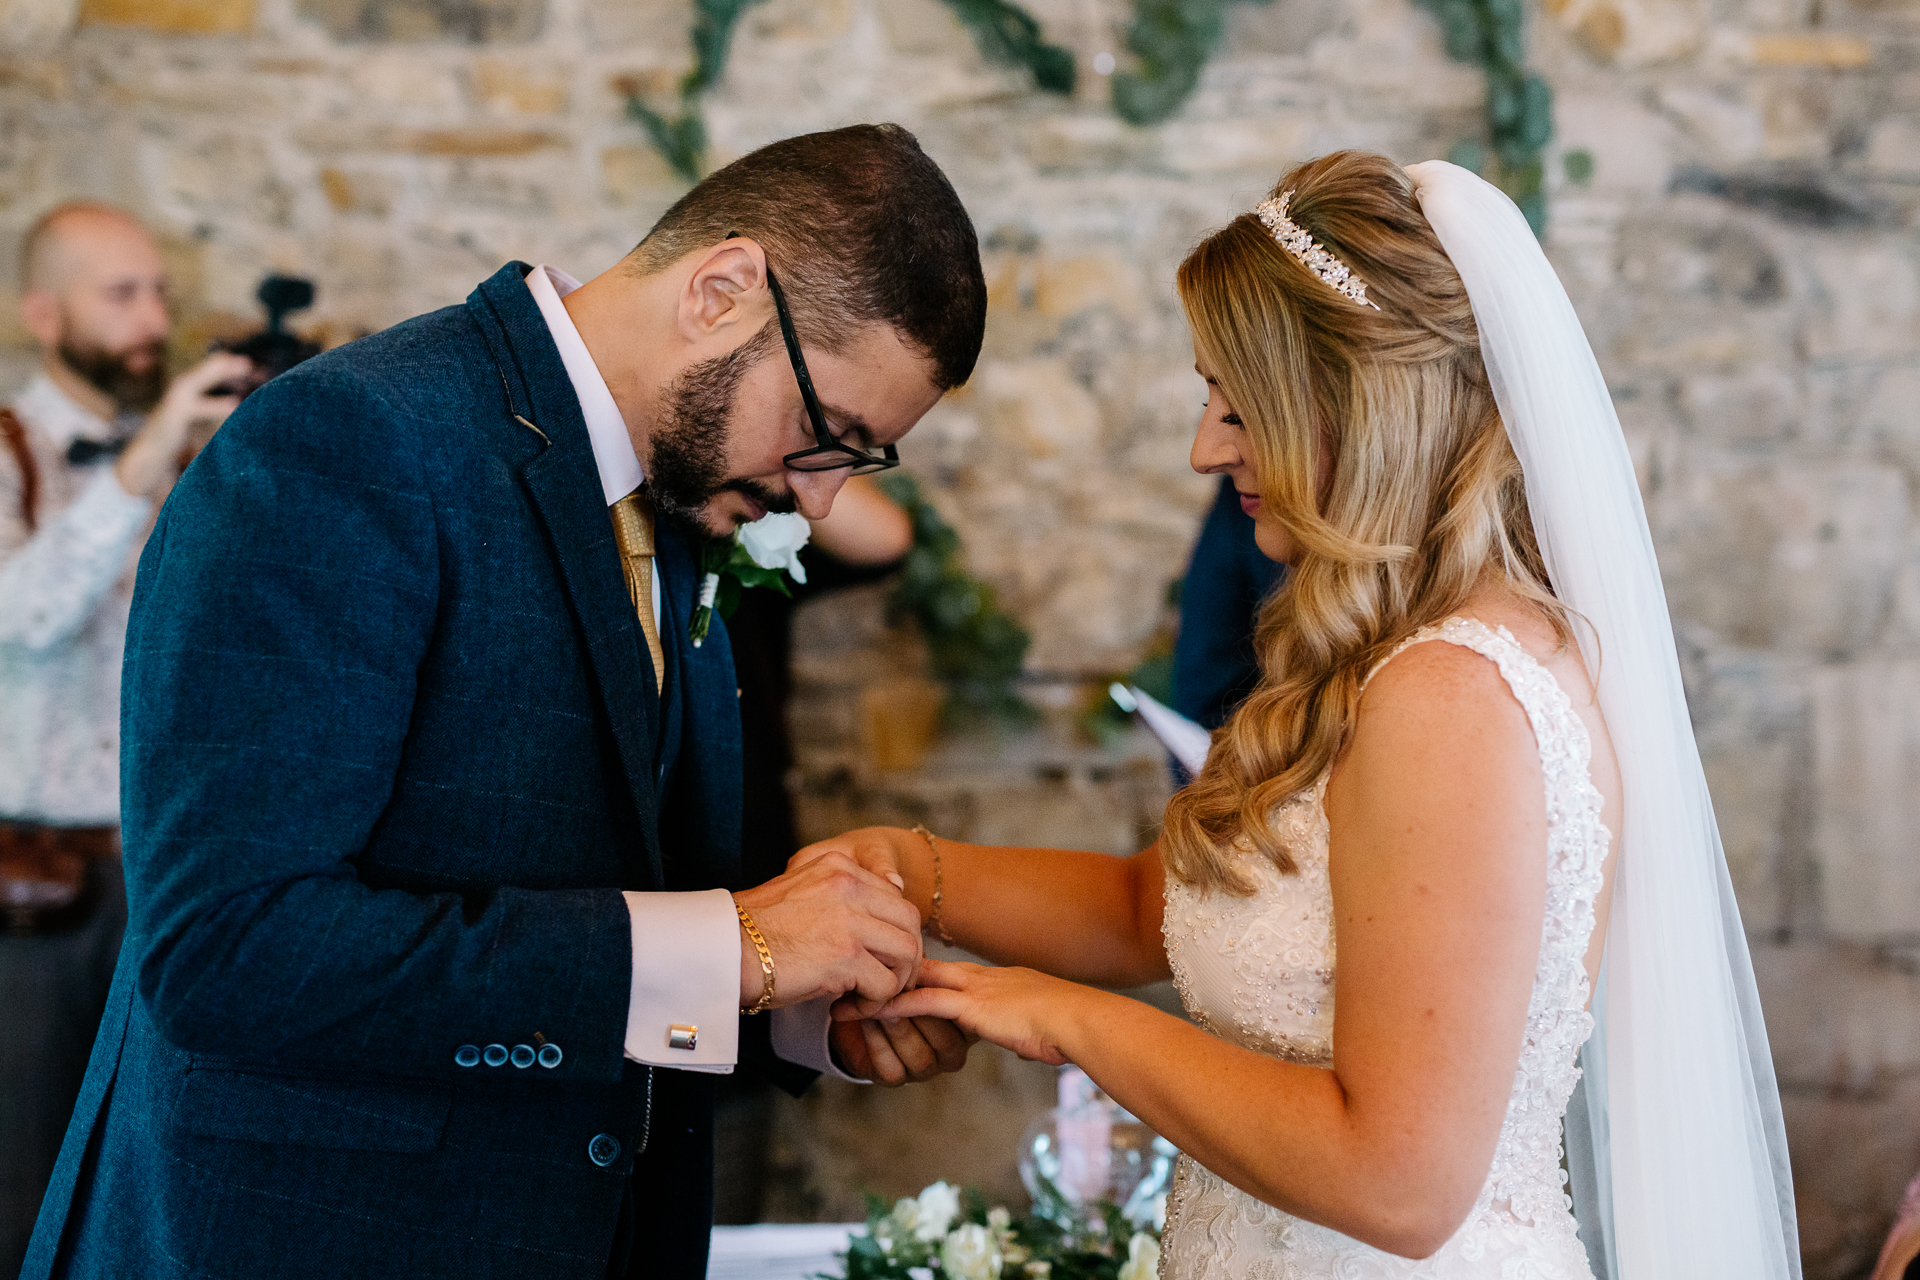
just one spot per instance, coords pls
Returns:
(947, 1234)
(762, 554)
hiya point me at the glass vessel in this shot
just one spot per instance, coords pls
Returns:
(1090, 1149)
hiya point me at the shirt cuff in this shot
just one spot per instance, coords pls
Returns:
(800, 1036)
(683, 1009)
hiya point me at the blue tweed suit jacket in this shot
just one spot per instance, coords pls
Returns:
(392, 748)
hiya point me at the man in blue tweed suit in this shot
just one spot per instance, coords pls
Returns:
(431, 807)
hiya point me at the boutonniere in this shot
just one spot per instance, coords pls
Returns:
(762, 554)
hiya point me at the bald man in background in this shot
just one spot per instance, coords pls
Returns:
(87, 452)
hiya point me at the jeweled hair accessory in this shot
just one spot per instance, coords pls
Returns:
(1314, 257)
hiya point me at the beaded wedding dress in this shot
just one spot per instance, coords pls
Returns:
(1258, 971)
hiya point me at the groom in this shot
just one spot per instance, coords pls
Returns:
(431, 808)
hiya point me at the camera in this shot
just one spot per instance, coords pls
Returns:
(273, 349)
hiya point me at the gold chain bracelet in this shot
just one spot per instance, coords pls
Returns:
(939, 888)
(766, 960)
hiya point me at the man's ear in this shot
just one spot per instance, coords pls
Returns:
(725, 297)
(41, 312)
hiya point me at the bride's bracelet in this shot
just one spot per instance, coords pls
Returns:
(933, 924)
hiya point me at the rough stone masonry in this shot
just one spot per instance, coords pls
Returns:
(1744, 255)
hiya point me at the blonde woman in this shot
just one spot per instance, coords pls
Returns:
(1469, 730)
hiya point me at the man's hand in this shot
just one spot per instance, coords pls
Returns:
(833, 929)
(151, 459)
(899, 1050)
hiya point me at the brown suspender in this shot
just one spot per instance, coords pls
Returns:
(14, 433)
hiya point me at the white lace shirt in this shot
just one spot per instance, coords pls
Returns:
(65, 589)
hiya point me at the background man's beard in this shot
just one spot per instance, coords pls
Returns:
(688, 466)
(109, 373)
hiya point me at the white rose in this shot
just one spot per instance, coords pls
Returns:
(999, 1219)
(1143, 1258)
(971, 1253)
(774, 542)
(935, 1211)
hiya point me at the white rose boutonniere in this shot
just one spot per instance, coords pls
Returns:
(762, 554)
(774, 542)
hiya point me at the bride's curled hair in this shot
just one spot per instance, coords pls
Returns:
(1378, 448)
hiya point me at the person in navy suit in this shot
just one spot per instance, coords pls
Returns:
(1228, 580)
(437, 933)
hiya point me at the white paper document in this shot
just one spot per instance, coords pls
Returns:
(1186, 740)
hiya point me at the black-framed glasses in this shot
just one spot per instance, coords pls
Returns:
(828, 454)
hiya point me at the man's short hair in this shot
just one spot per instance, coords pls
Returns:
(860, 226)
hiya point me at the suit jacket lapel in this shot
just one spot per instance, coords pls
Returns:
(565, 486)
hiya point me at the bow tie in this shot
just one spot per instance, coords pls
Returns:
(81, 452)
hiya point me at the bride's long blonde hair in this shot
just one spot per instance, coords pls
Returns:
(1378, 448)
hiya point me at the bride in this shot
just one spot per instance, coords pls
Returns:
(1468, 765)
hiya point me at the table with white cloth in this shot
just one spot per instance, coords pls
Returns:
(778, 1250)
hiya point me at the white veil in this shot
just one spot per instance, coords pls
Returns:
(1678, 1154)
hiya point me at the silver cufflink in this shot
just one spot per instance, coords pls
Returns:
(682, 1037)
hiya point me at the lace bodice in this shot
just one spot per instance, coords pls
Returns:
(1258, 971)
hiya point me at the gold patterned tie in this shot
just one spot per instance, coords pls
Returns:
(633, 533)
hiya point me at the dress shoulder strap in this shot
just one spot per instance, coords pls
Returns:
(1548, 708)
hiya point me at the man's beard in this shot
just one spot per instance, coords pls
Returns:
(111, 374)
(688, 466)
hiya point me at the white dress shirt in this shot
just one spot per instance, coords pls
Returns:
(65, 591)
(686, 946)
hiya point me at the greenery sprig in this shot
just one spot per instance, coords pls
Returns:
(1491, 35)
(682, 139)
(1010, 36)
(1005, 33)
(1173, 40)
(975, 648)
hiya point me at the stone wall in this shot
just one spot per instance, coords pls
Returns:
(1744, 255)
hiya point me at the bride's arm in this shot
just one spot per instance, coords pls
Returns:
(1438, 866)
(1085, 916)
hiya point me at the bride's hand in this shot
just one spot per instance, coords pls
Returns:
(1017, 1009)
(881, 850)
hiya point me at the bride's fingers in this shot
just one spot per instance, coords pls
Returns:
(955, 975)
(926, 1002)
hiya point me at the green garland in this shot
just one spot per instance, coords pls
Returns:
(1005, 33)
(975, 648)
(1173, 40)
(682, 140)
(1490, 34)
(1010, 36)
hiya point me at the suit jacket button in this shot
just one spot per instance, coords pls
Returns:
(466, 1056)
(495, 1054)
(550, 1056)
(523, 1056)
(604, 1149)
